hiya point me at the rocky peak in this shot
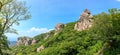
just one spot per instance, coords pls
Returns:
(84, 21)
(24, 40)
(58, 27)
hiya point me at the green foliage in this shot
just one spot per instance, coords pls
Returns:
(102, 38)
(3, 39)
(11, 12)
(40, 37)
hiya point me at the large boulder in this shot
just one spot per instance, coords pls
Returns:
(84, 22)
(34, 41)
(58, 28)
(40, 48)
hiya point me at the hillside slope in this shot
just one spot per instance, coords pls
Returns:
(103, 38)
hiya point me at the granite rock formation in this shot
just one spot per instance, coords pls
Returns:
(23, 40)
(58, 28)
(34, 41)
(20, 41)
(40, 48)
(27, 42)
(84, 22)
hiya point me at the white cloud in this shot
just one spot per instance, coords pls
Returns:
(31, 33)
(39, 30)
(118, 0)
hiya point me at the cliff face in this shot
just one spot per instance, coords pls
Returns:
(84, 22)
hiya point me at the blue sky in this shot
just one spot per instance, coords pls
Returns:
(47, 13)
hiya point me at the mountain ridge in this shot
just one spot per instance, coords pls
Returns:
(99, 39)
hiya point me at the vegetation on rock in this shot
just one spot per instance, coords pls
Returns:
(103, 38)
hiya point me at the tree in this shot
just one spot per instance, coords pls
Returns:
(12, 12)
(3, 2)
(106, 28)
(0, 5)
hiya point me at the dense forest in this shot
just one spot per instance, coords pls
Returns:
(103, 38)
